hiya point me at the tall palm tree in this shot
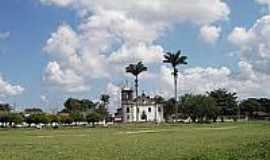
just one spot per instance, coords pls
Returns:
(175, 59)
(136, 70)
(105, 98)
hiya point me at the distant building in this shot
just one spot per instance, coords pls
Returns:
(147, 109)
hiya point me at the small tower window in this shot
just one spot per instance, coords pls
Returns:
(128, 110)
(159, 109)
(149, 109)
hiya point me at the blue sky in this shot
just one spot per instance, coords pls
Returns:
(30, 23)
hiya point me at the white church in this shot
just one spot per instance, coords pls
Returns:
(143, 110)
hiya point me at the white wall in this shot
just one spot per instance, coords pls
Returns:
(154, 115)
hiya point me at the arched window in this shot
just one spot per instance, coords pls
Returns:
(149, 109)
(128, 110)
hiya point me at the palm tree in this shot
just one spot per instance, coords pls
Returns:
(175, 59)
(105, 99)
(136, 70)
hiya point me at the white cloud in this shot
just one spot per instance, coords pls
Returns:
(114, 33)
(254, 44)
(7, 89)
(141, 52)
(198, 80)
(66, 80)
(44, 98)
(253, 47)
(191, 80)
(4, 35)
(196, 11)
(210, 34)
(240, 36)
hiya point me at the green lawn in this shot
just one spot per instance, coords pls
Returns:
(141, 142)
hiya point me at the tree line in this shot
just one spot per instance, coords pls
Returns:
(216, 104)
(74, 112)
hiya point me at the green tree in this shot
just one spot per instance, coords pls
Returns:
(73, 105)
(265, 104)
(15, 118)
(136, 70)
(199, 107)
(169, 108)
(38, 118)
(33, 110)
(102, 111)
(5, 107)
(93, 118)
(105, 99)
(249, 106)
(87, 105)
(226, 102)
(53, 118)
(65, 119)
(76, 105)
(3, 117)
(175, 59)
(77, 117)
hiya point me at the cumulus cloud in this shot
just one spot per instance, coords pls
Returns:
(191, 79)
(114, 33)
(66, 80)
(7, 89)
(210, 34)
(200, 12)
(254, 44)
(141, 52)
(247, 83)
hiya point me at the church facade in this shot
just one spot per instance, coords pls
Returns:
(144, 109)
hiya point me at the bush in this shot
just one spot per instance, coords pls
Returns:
(77, 117)
(15, 118)
(93, 117)
(65, 119)
(38, 118)
(3, 117)
(53, 118)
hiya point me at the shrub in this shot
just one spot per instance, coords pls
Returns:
(93, 117)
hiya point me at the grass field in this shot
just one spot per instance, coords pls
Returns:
(141, 142)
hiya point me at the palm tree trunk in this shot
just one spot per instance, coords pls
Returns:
(155, 112)
(175, 95)
(136, 87)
